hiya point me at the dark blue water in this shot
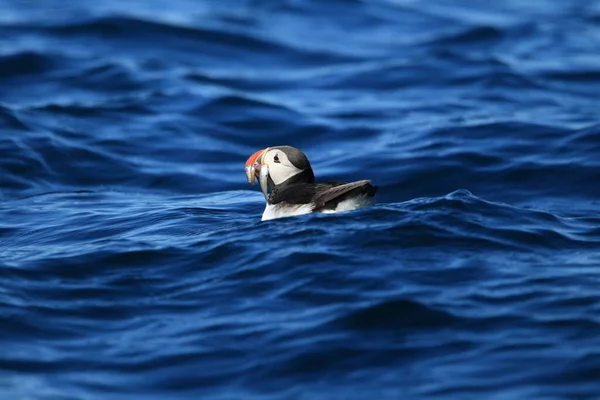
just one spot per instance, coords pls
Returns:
(133, 263)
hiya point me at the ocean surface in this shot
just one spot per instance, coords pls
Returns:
(133, 263)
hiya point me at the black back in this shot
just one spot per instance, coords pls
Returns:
(301, 189)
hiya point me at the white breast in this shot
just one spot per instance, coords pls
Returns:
(351, 204)
(281, 210)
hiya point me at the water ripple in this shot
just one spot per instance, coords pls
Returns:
(132, 254)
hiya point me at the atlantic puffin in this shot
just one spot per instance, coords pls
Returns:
(287, 172)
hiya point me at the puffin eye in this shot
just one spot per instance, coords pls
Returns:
(276, 158)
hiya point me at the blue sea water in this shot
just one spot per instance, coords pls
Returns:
(133, 263)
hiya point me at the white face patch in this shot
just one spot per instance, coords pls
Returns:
(280, 167)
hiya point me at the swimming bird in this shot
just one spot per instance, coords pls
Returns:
(288, 173)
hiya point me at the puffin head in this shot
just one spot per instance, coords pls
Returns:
(277, 166)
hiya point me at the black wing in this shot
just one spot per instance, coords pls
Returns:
(331, 196)
(321, 195)
(299, 193)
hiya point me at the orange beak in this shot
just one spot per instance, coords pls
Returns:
(254, 168)
(254, 157)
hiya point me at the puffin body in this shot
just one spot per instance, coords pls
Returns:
(289, 175)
